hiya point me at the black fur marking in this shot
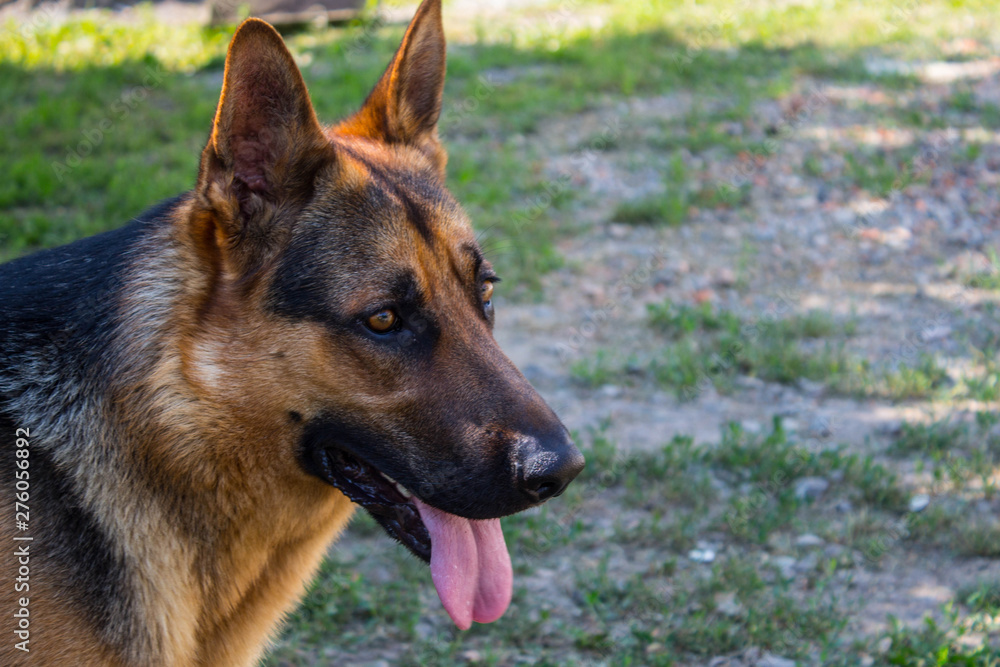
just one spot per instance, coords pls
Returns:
(57, 324)
(477, 259)
(61, 300)
(415, 213)
(305, 281)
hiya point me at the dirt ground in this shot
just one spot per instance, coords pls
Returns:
(895, 263)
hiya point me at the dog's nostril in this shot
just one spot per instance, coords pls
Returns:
(545, 490)
(547, 472)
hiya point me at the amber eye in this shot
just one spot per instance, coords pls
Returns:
(383, 321)
(487, 291)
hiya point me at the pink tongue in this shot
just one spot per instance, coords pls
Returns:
(470, 566)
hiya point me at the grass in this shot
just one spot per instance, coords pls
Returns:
(983, 598)
(988, 278)
(761, 612)
(706, 346)
(883, 172)
(937, 644)
(956, 527)
(669, 208)
(959, 452)
(700, 131)
(983, 344)
(720, 346)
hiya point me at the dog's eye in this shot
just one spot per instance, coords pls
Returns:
(487, 292)
(383, 321)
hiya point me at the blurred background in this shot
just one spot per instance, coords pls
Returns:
(750, 255)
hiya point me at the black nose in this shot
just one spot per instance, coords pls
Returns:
(548, 465)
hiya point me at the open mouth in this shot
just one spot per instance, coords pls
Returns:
(386, 500)
(470, 564)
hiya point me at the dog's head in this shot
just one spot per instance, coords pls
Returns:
(346, 297)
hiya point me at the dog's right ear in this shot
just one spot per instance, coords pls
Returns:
(266, 142)
(405, 104)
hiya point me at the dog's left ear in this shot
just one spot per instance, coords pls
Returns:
(405, 104)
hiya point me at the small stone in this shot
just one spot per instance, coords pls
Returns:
(595, 293)
(619, 231)
(655, 648)
(785, 411)
(919, 502)
(890, 427)
(845, 218)
(808, 563)
(610, 391)
(703, 295)
(897, 237)
(844, 506)
(727, 605)
(749, 382)
(725, 278)
(424, 630)
(810, 387)
(785, 565)
(871, 234)
(702, 555)
(876, 257)
(664, 277)
(472, 656)
(810, 488)
(820, 427)
(809, 540)
(833, 551)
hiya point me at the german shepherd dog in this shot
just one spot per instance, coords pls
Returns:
(192, 405)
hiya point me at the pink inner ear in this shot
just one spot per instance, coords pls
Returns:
(250, 157)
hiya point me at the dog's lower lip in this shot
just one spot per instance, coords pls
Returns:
(388, 501)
